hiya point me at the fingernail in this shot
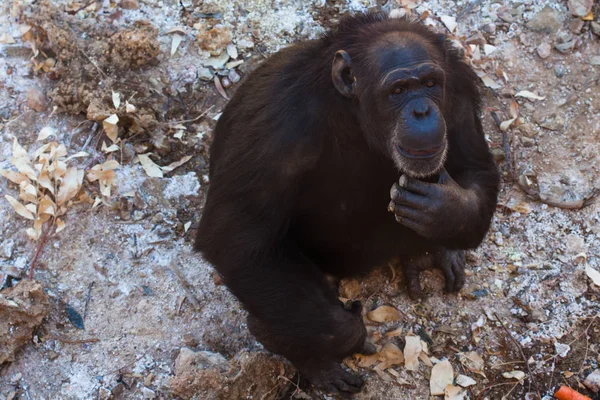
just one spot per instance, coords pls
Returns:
(403, 181)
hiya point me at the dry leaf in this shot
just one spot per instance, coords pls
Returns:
(488, 49)
(593, 275)
(442, 375)
(176, 164)
(47, 206)
(60, 225)
(111, 128)
(384, 314)
(452, 392)
(149, 166)
(412, 350)
(175, 42)
(529, 95)
(366, 361)
(110, 149)
(97, 202)
(518, 375)
(70, 185)
(19, 208)
(472, 361)
(5, 38)
(465, 381)
(186, 226)
(489, 82)
(450, 23)
(18, 151)
(28, 192)
(116, 99)
(79, 154)
(514, 113)
(394, 333)
(390, 355)
(129, 108)
(46, 132)
(13, 176)
(425, 358)
(22, 165)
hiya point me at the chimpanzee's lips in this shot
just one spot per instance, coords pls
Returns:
(421, 153)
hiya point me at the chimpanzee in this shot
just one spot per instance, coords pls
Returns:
(332, 157)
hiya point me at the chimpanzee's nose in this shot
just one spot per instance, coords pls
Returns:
(420, 109)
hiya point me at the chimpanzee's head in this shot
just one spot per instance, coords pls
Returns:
(398, 85)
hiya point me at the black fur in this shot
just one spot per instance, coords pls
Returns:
(300, 185)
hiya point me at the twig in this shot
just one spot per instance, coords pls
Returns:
(40, 247)
(518, 345)
(186, 286)
(74, 341)
(491, 387)
(93, 63)
(87, 299)
(183, 121)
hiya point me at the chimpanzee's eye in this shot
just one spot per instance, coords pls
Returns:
(430, 84)
(398, 90)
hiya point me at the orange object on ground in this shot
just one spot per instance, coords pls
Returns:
(565, 393)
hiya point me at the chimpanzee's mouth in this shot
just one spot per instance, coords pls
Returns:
(421, 153)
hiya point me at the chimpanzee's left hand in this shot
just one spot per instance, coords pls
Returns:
(436, 211)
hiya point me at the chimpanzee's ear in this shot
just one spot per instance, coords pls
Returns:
(342, 75)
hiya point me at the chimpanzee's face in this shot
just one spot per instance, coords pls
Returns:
(400, 92)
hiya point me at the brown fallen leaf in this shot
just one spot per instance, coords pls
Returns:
(412, 351)
(19, 208)
(384, 314)
(442, 375)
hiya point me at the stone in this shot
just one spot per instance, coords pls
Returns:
(498, 154)
(129, 4)
(576, 25)
(592, 381)
(527, 142)
(595, 60)
(22, 309)
(595, 28)
(580, 8)
(546, 21)
(36, 99)
(544, 50)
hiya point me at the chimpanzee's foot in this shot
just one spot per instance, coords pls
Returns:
(412, 268)
(329, 376)
(452, 264)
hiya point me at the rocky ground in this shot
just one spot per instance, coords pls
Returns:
(123, 95)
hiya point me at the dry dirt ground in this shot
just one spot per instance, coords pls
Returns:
(133, 313)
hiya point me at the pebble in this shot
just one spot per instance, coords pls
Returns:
(205, 74)
(489, 28)
(527, 142)
(148, 394)
(592, 381)
(547, 21)
(36, 99)
(559, 71)
(544, 50)
(580, 8)
(595, 60)
(233, 76)
(567, 47)
(129, 4)
(477, 39)
(595, 27)
(576, 25)
(498, 154)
